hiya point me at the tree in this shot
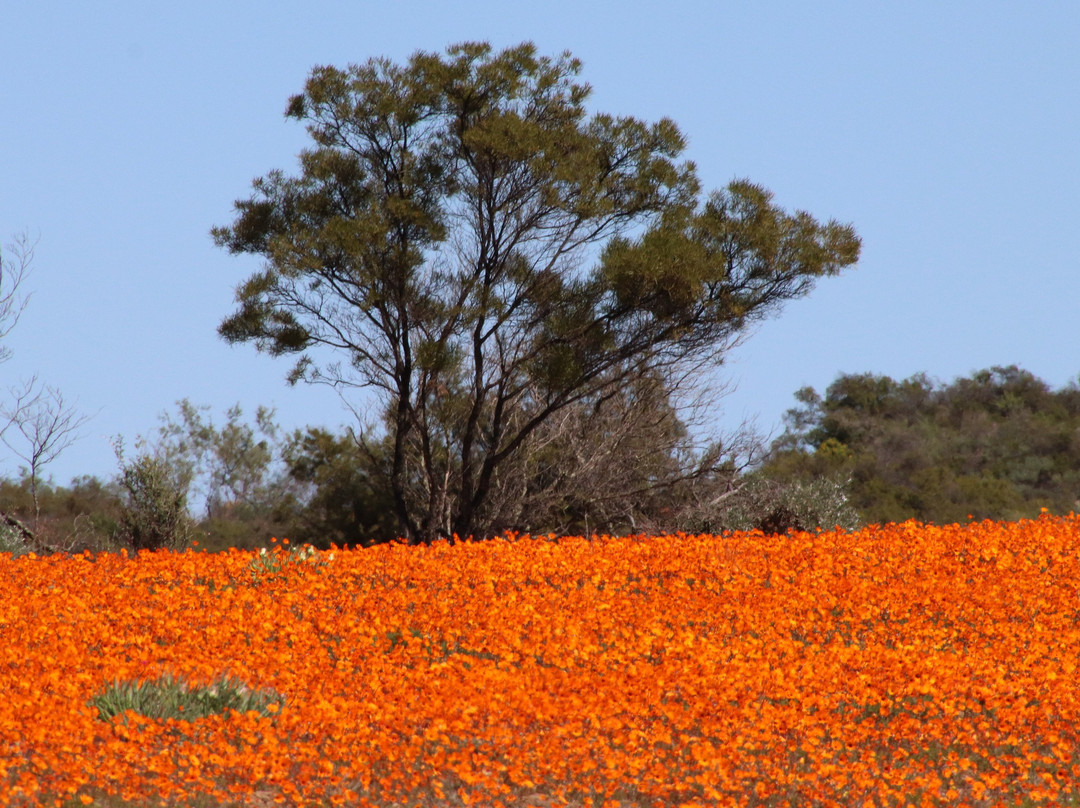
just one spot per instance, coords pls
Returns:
(339, 495)
(999, 445)
(229, 468)
(467, 242)
(46, 424)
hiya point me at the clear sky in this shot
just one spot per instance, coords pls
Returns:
(948, 133)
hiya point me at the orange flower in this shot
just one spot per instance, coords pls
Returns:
(828, 668)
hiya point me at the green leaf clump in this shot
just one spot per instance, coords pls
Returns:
(170, 696)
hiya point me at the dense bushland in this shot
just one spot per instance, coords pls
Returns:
(239, 482)
(999, 444)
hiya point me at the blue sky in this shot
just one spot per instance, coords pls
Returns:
(947, 133)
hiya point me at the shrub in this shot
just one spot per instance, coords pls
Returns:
(154, 515)
(12, 539)
(776, 507)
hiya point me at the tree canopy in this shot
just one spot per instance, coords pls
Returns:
(468, 241)
(999, 444)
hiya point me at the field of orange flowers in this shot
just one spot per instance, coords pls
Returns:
(897, 665)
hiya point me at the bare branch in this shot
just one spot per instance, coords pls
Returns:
(15, 261)
(46, 424)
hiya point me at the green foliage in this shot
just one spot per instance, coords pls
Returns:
(997, 445)
(231, 467)
(279, 562)
(235, 482)
(440, 240)
(154, 513)
(341, 494)
(80, 516)
(253, 481)
(174, 697)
